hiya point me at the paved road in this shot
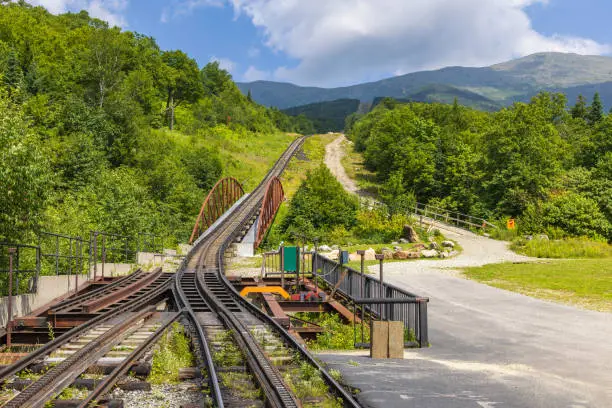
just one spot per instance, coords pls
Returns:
(490, 347)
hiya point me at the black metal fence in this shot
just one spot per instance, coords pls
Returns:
(379, 299)
(369, 297)
(26, 267)
(58, 254)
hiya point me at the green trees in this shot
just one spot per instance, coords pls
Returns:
(82, 141)
(25, 177)
(181, 79)
(320, 204)
(535, 161)
(595, 112)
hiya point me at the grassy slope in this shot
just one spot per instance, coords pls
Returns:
(313, 156)
(245, 155)
(582, 282)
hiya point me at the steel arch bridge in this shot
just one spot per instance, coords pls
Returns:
(273, 198)
(221, 198)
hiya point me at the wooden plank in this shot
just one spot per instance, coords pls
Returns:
(380, 339)
(396, 339)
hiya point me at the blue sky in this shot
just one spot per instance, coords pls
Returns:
(342, 42)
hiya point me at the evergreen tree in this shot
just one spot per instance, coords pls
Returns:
(14, 75)
(249, 96)
(595, 113)
(579, 111)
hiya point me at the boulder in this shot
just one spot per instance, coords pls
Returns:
(400, 255)
(388, 254)
(397, 248)
(333, 254)
(429, 253)
(448, 244)
(444, 254)
(370, 254)
(395, 243)
(334, 247)
(528, 237)
(324, 248)
(543, 237)
(354, 257)
(404, 241)
(410, 234)
(434, 245)
(418, 247)
(414, 254)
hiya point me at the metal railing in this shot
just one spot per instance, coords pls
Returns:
(369, 297)
(458, 219)
(26, 269)
(379, 299)
(60, 255)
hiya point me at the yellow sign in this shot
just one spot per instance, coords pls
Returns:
(511, 224)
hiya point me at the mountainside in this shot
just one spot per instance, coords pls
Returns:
(499, 84)
(326, 116)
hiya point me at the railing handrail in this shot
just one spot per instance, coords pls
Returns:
(446, 215)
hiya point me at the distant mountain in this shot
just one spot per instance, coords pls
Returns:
(499, 84)
(327, 116)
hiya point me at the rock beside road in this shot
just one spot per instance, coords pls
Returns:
(429, 253)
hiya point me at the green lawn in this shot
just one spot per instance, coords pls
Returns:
(582, 282)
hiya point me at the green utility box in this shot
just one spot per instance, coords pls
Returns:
(291, 256)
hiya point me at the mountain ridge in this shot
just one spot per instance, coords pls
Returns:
(502, 83)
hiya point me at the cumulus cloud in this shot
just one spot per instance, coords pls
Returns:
(345, 41)
(254, 74)
(225, 63)
(111, 11)
(179, 8)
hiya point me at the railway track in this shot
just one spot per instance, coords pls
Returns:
(245, 357)
(274, 360)
(71, 354)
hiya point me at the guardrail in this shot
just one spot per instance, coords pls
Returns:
(458, 219)
(381, 299)
(58, 254)
(25, 268)
(368, 296)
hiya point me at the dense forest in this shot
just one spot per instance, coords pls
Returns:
(548, 166)
(100, 129)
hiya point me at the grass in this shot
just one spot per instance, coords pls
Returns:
(308, 385)
(567, 248)
(585, 283)
(338, 335)
(354, 167)
(245, 155)
(172, 353)
(311, 157)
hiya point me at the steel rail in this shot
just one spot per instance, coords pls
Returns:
(63, 374)
(111, 379)
(95, 293)
(210, 254)
(180, 295)
(76, 331)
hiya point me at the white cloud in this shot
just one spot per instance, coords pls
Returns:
(111, 11)
(346, 41)
(253, 52)
(186, 7)
(225, 63)
(254, 74)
